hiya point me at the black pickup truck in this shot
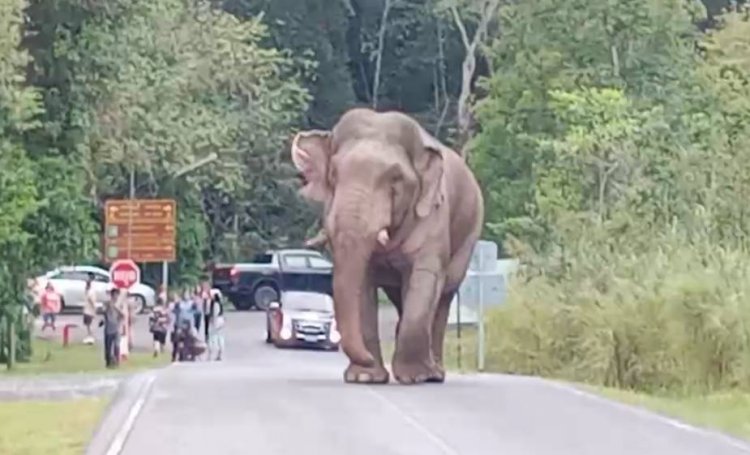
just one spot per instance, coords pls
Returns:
(260, 282)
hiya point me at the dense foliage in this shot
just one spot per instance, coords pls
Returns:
(621, 157)
(611, 139)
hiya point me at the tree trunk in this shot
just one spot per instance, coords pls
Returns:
(11, 344)
(468, 68)
(379, 57)
(443, 89)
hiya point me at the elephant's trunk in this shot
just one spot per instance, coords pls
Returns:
(352, 250)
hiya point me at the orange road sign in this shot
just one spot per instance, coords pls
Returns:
(143, 230)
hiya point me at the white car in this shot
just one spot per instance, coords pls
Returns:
(70, 282)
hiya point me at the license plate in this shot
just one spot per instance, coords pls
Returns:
(311, 338)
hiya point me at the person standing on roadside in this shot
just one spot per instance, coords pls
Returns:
(113, 318)
(182, 314)
(216, 332)
(196, 306)
(158, 325)
(89, 308)
(50, 305)
(205, 296)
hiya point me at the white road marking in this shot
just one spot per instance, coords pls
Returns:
(444, 447)
(119, 441)
(737, 444)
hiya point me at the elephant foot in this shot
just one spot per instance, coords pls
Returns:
(417, 373)
(440, 374)
(356, 374)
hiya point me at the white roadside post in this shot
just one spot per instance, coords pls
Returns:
(483, 286)
(487, 274)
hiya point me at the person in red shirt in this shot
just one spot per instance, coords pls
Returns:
(50, 306)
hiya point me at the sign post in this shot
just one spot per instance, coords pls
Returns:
(140, 229)
(482, 286)
(143, 230)
(123, 274)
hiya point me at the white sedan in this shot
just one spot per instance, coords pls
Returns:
(70, 282)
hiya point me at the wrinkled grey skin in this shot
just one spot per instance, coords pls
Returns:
(402, 213)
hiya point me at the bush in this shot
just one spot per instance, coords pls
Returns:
(672, 318)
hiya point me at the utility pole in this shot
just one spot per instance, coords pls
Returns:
(130, 211)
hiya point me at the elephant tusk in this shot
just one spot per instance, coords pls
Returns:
(320, 238)
(383, 237)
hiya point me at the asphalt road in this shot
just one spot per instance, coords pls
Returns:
(276, 402)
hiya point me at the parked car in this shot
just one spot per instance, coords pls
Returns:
(70, 282)
(302, 318)
(260, 282)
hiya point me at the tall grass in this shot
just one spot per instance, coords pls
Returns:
(674, 317)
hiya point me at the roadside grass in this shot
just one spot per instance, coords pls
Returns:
(49, 356)
(49, 427)
(725, 411)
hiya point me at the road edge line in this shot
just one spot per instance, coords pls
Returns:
(643, 412)
(118, 442)
(414, 423)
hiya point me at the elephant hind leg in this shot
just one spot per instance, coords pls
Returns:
(438, 331)
(455, 274)
(394, 295)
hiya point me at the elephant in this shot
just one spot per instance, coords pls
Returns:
(402, 213)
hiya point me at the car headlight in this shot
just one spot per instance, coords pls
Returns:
(333, 333)
(286, 327)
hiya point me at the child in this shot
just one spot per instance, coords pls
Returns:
(158, 322)
(216, 328)
(50, 305)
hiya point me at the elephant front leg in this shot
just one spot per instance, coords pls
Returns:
(413, 361)
(376, 374)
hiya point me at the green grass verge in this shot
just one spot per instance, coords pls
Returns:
(51, 357)
(728, 411)
(49, 427)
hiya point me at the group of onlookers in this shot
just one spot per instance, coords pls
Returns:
(114, 315)
(182, 316)
(185, 314)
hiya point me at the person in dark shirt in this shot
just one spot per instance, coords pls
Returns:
(113, 317)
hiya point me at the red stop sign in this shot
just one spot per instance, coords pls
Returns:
(124, 273)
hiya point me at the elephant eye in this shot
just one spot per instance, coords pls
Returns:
(332, 175)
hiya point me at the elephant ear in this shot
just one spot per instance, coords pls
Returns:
(311, 152)
(430, 166)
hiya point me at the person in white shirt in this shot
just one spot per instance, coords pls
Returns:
(89, 309)
(216, 327)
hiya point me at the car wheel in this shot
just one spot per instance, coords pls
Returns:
(138, 304)
(242, 305)
(264, 295)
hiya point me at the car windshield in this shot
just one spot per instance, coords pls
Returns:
(307, 301)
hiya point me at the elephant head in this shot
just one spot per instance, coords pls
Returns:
(378, 175)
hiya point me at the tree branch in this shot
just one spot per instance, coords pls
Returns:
(469, 67)
(461, 27)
